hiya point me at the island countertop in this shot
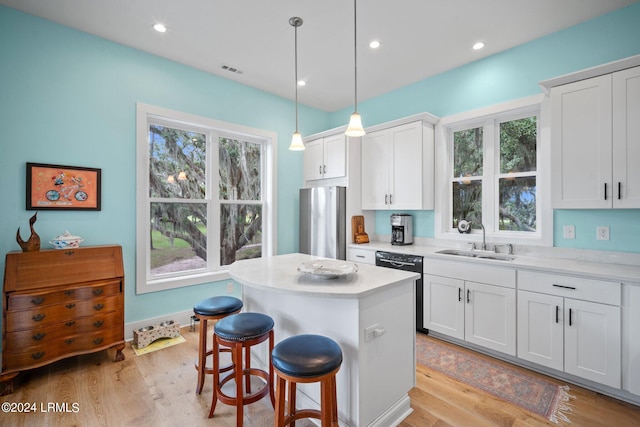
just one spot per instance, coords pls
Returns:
(280, 274)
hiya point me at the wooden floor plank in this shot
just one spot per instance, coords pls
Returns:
(158, 390)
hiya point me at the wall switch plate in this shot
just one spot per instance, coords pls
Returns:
(602, 233)
(230, 287)
(569, 231)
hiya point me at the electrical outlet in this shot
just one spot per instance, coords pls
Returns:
(569, 231)
(230, 287)
(602, 233)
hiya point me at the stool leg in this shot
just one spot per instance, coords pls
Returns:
(239, 372)
(270, 382)
(292, 401)
(247, 365)
(202, 354)
(216, 376)
(281, 385)
(325, 402)
(334, 400)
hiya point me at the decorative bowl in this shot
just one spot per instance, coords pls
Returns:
(66, 241)
(328, 269)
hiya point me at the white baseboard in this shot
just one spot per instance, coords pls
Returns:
(183, 318)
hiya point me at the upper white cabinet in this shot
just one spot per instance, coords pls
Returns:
(326, 157)
(595, 142)
(397, 167)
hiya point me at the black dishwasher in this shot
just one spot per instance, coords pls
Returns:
(411, 263)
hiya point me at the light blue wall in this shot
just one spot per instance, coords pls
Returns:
(515, 74)
(69, 98)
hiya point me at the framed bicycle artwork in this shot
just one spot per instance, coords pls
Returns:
(62, 187)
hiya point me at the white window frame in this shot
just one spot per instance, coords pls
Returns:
(147, 114)
(524, 107)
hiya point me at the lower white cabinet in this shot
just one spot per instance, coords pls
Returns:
(562, 327)
(479, 313)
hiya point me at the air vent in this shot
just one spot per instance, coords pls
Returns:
(231, 69)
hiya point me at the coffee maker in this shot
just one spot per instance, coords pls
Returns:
(401, 229)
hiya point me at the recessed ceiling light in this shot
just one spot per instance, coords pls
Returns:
(160, 28)
(301, 83)
(478, 46)
(374, 44)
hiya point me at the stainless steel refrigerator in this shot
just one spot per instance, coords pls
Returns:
(323, 222)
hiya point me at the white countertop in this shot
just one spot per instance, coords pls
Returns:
(602, 270)
(280, 274)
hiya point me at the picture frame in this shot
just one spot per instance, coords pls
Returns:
(58, 187)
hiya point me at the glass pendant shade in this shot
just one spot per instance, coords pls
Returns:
(355, 126)
(296, 142)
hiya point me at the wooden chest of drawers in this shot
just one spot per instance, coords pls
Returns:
(60, 303)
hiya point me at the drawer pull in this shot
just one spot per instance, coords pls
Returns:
(468, 296)
(97, 292)
(564, 287)
(69, 341)
(459, 294)
(98, 323)
(557, 314)
(70, 323)
(70, 306)
(69, 253)
(37, 337)
(360, 256)
(37, 355)
(37, 300)
(98, 341)
(68, 292)
(98, 307)
(38, 317)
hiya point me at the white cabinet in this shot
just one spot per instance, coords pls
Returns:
(325, 158)
(595, 142)
(571, 324)
(362, 255)
(480, 313)
(397, 167)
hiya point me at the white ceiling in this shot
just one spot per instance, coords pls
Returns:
(420, 38)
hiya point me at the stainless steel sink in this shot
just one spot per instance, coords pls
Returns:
(477, 254)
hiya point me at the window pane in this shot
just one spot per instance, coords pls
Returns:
(240, 174)
(177, 161)
(240, 232)
(467, 201)
(518, 145)
(178, 237)
(517, 204)
(467, 152)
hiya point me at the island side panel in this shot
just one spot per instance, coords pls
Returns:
(336, 318)
(387, 360)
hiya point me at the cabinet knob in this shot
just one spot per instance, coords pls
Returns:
(69, 341)
(98, 323)
(37, 355)
(98, 307)
(37, 300)
(68, 292)
(98, 291)
(98, 341)
(70, 306)
(70, 323)
(38, 337)
(38, 317)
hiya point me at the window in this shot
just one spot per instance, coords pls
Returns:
(492, 174)
(204, 198)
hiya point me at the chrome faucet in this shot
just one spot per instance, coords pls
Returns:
(484, 238)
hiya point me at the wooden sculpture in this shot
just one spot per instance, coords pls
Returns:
(33, 243)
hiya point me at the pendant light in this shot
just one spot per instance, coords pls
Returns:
(296, 140)
(355, 122)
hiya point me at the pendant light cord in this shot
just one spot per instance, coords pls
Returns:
(355, 56)
(296, 71)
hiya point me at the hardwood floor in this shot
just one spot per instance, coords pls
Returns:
(158, 390)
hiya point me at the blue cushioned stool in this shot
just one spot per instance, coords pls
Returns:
(214, 308)
(306, 359)
(240, 332)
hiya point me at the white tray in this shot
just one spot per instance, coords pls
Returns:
(328, 268)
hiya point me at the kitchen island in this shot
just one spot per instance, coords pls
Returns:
(369, 313)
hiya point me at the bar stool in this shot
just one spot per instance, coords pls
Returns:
(214, 308)
(240, 332)
(306, 359)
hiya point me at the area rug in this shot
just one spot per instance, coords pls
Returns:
(530, 392)
(157, 345)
